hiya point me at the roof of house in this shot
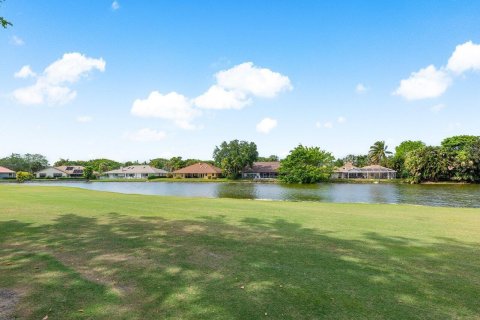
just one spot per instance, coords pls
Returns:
(50, 168)
(199, 168)
(142, 169)
(6, 170)
(346, 167)
(71, 169)
(263, 167)
(377, 168)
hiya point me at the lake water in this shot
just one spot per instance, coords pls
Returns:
(431, 195)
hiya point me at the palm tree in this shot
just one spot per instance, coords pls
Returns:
(378, 152)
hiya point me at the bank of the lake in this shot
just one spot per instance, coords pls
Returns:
(70, 253)
(458, 195)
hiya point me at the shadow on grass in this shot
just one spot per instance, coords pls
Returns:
(151, 268)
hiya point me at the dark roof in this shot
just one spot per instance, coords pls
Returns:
(199, 168)
(263, 167)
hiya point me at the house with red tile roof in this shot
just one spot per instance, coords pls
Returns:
(199, 170)
(6, 173)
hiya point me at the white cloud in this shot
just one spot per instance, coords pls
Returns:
(71, 67)
(426, 83)
(84, 119)
(25, 72)
(51, 86)
(247, 78)
(146, 135)
(115, 5)
(17, 41)
(326, 125)
(266, 125)
(235, 89)
(171, 106)
(236, 86)
(438, 107)
(360, 88)
(341, 119)
(219, 98)
(465, 57)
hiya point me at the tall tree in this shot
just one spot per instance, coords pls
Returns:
(306, 165)
(235, 155)
(271, 158)
(401, 151)
(378, 153)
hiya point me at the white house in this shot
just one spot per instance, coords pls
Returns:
(61, 172)
(51, 172)
(135, 172)
(6, 173)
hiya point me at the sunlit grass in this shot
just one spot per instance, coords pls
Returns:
(77, 254)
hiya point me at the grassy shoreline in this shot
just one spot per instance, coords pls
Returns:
(74, 254)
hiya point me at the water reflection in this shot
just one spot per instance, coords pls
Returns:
(433, 195)
(236, 190)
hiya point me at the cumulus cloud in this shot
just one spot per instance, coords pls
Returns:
(360, 88)
(171, 106)
(236, 87)
(25, 72)
(115, 5)
(465, 57)
(247, 78)
(146, 135)
(425, 83)
(219, 98)
(431, 82)
(51, 86)
(84, 119)
(266, 125)
(17, 41)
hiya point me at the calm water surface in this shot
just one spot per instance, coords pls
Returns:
(431, 195)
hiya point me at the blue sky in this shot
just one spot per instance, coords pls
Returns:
(135, 80)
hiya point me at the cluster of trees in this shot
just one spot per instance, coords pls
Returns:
(174, 163)
(97, 165)
(456, 159)
(28, 162)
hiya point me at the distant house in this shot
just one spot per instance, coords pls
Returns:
(199, 170)
(349, 171)
(135, 172)
(262, 170)
(61, 172)
(6, 173)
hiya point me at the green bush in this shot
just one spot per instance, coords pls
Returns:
(23, 176)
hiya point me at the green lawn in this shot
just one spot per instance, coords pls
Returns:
(77, 254)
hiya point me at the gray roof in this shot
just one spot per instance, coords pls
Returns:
(145, 169)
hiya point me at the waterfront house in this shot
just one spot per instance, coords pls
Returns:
(61, 172)
(349, 171)
(135, 172)
(261, 170)
(6, 173)
(199, 170)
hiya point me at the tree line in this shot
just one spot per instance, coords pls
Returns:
(457, 158)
